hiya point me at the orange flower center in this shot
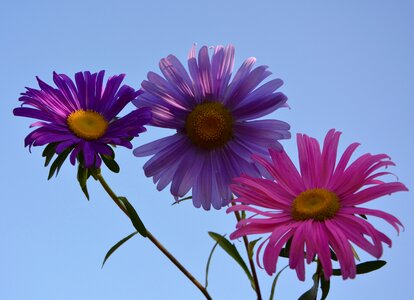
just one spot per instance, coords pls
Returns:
(317, 204)
(209, 125)
(87, 124)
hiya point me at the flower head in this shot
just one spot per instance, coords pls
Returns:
(213, 116)
(81, 118)
(316, 209)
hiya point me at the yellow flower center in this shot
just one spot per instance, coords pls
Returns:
(317, 204)
(209, 125)
(87, 124)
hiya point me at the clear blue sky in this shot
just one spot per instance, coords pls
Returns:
(347, 65)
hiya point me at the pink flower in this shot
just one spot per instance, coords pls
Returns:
(317, 209)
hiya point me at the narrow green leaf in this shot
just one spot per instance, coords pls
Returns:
(333, 255)
(355, 254)
(182, 199)
(49, 152)
(82, 179)
(336, 272)
(250, 247)
(312, 293)
(133, 216)
(232, 251)
(208, 262)
(110, 162)
(370, 266)
(116, 246)
(55, 167)
(364, 267)
(285, 251)
(272, 292)
(243, 214)
(325, 286)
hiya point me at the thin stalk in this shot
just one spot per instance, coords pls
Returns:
(114, 197)
(252, 266)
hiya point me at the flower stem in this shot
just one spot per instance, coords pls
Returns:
(114, 197)
(252, 266)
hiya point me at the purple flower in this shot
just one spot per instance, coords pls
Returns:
(214, 119)
(81, 118)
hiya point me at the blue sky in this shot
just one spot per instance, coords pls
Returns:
(347, 65)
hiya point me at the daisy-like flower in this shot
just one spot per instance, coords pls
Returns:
(317, 209)
(82, 118)
(213, 116)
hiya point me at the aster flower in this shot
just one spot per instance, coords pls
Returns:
(213, 116)
(81, 120)
(316, 209)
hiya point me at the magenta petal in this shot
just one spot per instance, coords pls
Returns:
(269, 205)
(374, 192)
(277, 240)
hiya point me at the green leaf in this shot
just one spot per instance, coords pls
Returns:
(355, 254)
(272, 292)
(55, 167)
(110, 162)
(250, 247)
(369, 266)
(49, 152)
(285, 251)
(208, 262)
(133, 216)
(325, 285)
(232, 251)
(364, 267)
(182, 199)
(333, 255)
(312, 293)
(243, 214)
(116, 246)
(82, 178)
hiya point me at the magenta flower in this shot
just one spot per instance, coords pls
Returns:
(213, 117)
(82, 118)
(317, 209)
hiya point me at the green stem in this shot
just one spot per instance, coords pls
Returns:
(252, 266)
(114, 197)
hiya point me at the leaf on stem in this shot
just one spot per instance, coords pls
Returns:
(250, 247)
(110, 162)
(312, 293)
(364, 267)
(133, 216)
(325, 286)
(116, 246)
(182, 199)
(285, 250)
(55, 167)
(208, 262)
(49, 152)
(243, 214)
(232, 251)
(333, 255)
(83, 176)
(355, 254)
(272, 292)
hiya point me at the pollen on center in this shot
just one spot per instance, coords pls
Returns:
(209, 125)
(87, 124)
(317, 204)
